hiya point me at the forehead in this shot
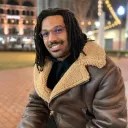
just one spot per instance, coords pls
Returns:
(52, 21)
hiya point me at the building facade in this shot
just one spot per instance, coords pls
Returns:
(17, 19)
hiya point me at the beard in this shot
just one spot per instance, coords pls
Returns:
(50, 44)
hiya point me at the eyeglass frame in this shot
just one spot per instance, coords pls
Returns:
(53, 30)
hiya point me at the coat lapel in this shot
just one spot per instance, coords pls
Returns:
(74, 76)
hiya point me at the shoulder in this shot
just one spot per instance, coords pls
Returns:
(93, 54)
(96, 58)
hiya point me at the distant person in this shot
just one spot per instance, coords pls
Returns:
(76, 84)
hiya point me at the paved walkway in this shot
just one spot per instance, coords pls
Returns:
(15, 85)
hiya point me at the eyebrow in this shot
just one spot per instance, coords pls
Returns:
(53, 27)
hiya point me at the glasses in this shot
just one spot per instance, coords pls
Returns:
(56, 31)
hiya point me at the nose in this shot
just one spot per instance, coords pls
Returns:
(52, 37)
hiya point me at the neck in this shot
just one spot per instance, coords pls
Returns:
(63, 58)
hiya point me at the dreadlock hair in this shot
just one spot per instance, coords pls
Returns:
(76, 38)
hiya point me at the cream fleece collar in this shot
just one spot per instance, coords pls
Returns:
(74, 76)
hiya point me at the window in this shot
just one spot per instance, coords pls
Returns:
(1, 31)
(1, 21)
(28, 22)
(13, 21)
(12, 2)
(1, 1)
(23, 13)
(108, 44)
(126, 44)
(13, 31)
(17, 12)
(28, 31)
(27, 3)
(13, 12)
(8, 11)
(32, 13)
(1, 11)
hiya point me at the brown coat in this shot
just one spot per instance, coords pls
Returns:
(89, 95)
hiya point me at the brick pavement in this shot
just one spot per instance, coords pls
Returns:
(15, 85)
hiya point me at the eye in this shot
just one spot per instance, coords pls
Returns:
(58, 30)
(45, 34)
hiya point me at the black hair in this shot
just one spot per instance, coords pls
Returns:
(76, 37)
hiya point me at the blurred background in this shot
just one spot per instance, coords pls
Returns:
(105, 21)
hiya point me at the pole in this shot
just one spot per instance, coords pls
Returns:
(42, 4)
(126, 26)
(101, 30)
(120, 41)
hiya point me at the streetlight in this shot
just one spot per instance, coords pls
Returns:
(97, 24)
(120, 12)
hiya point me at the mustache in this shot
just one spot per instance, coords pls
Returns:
(50, 44)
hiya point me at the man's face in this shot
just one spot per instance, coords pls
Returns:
(55, 37)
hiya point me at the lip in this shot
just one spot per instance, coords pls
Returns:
(55, 47)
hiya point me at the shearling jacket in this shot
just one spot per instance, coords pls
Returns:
(90, 94)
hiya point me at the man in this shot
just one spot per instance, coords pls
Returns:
(76, 84)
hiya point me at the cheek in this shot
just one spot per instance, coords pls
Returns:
(65, 39)
(45, 43)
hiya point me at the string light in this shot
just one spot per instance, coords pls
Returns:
(89, 22)
(82, 23)
(116, 22)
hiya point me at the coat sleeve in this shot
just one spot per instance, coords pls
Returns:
(109, 104)
(36, 113)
